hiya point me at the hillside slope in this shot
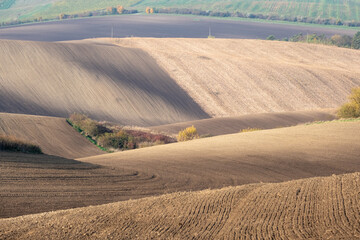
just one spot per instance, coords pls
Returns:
(104, 81)
(315, 208)
(54, 135)
(265, 156)
(229, 77)
(228, 125)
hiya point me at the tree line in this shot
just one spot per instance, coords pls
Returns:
(345, 41)
(62, 16)
(301, 19)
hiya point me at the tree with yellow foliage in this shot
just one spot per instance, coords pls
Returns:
(188, 133)
(352, 108)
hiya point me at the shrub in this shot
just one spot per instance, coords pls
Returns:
(11, 143)
(90, 127)
(341, 41)
(352, 108)
(188, 134)
(356, 41)
(271, 37)
(119, 140)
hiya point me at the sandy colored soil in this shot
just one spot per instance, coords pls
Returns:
(54, 135)
(159, 26)
(315, 208)
(228, 125)
(265, 156)
(228, 77)
(106, 82)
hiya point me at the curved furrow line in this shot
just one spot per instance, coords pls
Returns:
(308, 210)
(204, 230)
(353, 202)
(333, 202)
(297, 223)
(342, 214)
(223, 217)
(281, 209)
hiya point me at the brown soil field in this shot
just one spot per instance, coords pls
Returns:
(54, 135)
(228, 125)
(315, 208)
(104, 81)
(265, 156)
(159, 26)
(228, 77)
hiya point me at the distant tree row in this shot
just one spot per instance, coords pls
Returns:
(337, 40)
(61, 16)
(317, 20)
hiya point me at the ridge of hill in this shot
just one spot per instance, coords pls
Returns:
(229, 125)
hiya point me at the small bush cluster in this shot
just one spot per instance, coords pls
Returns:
(351, 109)
(337, 40)
(250, 130)
(11, 143)
(187, 134)
(115, 137)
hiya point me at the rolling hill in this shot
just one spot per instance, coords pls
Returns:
(172, 80)
(275, 155)
(315, 208)
(54, 135)
(104, 81)
(228, 77)
(23, 10)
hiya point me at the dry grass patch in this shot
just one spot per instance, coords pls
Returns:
(250, 130)
(11, 143)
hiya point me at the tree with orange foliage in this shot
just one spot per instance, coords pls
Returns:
(120, 9)
(149, 10)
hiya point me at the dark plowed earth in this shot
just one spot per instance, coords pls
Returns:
(315, 208)
(158, 26)
(228, 125)
(265, 156)
(54, 135)
(104, 81)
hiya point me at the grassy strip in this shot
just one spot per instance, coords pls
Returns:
(337, 120)
(242, 19)
(11, 143)
(93, 141)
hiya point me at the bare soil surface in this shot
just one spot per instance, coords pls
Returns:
(228, 125)
(159, 26)
(265, 156)
(106, 82)
(54, 135)
(230, 77)
(315, 208)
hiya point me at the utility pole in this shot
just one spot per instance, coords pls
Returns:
(112, 32)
